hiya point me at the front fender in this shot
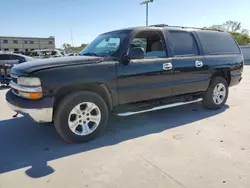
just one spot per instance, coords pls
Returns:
(103, 73)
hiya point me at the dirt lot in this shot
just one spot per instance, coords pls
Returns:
(180, 147)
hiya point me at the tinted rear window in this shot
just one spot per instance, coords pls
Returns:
(246, 53)
(218, 42)
(183, 43)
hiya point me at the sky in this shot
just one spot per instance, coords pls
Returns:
(89, 18)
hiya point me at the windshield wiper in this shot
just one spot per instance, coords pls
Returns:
(90, 54)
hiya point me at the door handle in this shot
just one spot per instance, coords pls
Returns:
(198, 64)
(167, 66)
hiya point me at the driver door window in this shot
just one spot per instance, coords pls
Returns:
(152, 44)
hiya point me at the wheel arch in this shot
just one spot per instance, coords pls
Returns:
(223, 72)
(98, 88)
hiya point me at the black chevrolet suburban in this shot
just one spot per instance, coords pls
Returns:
(127, 72)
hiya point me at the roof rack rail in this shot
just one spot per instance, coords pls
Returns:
(184, 27)
(159, 25)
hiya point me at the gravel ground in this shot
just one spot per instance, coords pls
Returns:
(180, 147)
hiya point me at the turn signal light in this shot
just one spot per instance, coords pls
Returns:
(35, 95)
(31, 95)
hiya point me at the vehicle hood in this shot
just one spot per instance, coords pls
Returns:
(36, 65)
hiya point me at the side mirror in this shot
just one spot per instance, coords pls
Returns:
(136, 53)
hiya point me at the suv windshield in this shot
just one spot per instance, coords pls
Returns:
(105, 44)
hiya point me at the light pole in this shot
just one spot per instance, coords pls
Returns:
(71, 35)
(147, 2)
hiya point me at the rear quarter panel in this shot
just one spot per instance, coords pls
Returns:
(228, 61)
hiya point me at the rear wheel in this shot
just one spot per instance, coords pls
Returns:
(216, 95)
(81, 117)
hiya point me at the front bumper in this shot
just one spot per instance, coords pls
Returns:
(39, 110)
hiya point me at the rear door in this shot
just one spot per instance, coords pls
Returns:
(191, 73)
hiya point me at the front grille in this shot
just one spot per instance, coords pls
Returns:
(8, 72)
(14, 79)
(2, 71)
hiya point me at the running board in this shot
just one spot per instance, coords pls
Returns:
(159, 107)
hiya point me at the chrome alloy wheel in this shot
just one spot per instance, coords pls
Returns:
(219, 93)
(84, 118)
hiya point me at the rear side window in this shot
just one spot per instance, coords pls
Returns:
(17, 58)
(246, 53)
(218, 42)
(4, 57)
(183, 43)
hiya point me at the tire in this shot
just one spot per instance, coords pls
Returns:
(80, 100)
(208, 97)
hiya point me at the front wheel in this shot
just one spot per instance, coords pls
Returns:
(216, 95)
(81, 116)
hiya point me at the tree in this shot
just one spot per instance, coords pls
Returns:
(68, 47)
(229, 26)
(235, 29)
(215, 27)
(232, 26)
(244, 31)
(83, 46)
(242, 39)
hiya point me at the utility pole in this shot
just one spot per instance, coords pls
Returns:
(146, 2)
(71, 35)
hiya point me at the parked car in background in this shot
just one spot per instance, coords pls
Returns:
(19, 52)
(72, 54)
(13, 58)
(7, 61)
(44, 54)
(246, 54)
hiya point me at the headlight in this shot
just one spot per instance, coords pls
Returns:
(28, 87)
(29, 81)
